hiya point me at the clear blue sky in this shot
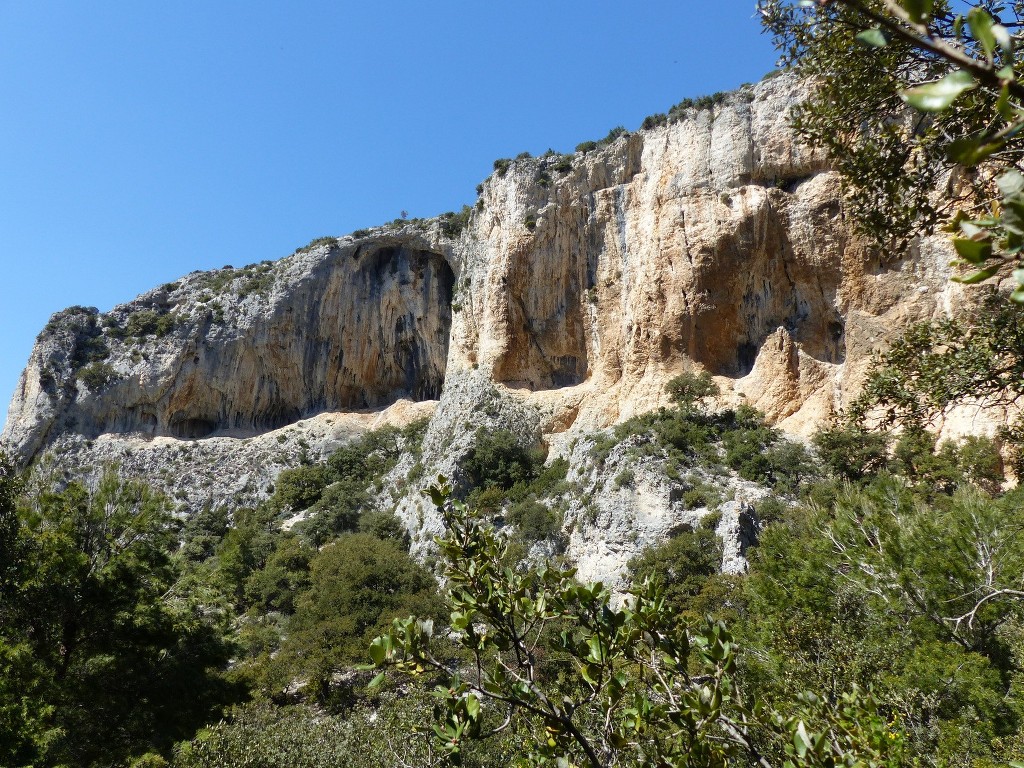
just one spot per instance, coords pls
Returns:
(140, 141)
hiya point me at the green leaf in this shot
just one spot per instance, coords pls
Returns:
(1010, 183)
(377, 652)
(1006, 110)
(977, 277)
(974, 251)
(1005, 42)
(375, 682)
(937, 96)
(872, 38)
(1017, 297)
(982, 24)
(920, 11)
(801, 740)
(971, 150)
(437, 495)
(1018, 275)
(1012, 218)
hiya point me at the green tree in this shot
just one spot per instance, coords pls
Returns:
(874, 586)
(112, 660)
(357, 585)
(499, 459)
(638, 688)
(690, 390)
(688, 567)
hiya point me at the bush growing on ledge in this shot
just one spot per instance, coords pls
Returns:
(689, 390)
(97, 376)
(535, 521)
(453, 223)
(614, 134)
(498, 459)
(318, 241)
(501, 166)
(563, 164)
(148, 322)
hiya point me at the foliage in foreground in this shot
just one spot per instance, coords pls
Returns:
(958, 65)
(598, 685)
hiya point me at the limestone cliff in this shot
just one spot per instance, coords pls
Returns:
(577, 288)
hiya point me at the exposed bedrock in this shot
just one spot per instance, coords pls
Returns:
(341, 327)
(577, 288)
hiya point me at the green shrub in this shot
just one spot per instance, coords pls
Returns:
(688, 390)
(534, 520)
(383, 732)
(613, 134)
(653, 121)
(259, 283)
(981, 462)
(452, 224)
(791, 466)
(586, 146)
(852, 453)
(265, 736)
(384, 525)
(301, 487)
(358, 584)
(489, 500)
(149, 322)
(316, 242)
(96, 376)
(745, 452)
(498, 459)
(285, 575)
(687, 564)
(700, 495)
(770, 509)
(501, 166)
(337, 511)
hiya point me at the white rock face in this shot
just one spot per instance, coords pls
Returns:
(575, 292)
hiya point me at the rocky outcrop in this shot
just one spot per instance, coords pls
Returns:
(347, 325)
(561, 304)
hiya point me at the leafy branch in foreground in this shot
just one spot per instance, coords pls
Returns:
(595, 685)
(960, 72)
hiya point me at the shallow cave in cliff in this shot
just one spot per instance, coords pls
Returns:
(409, 292)
(192, 428)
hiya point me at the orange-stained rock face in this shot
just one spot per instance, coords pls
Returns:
(717, 242)
(578, 289)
